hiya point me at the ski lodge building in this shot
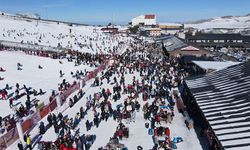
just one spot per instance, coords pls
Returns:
(218, 41)
(171, 28)
(144, 20)
(221, 102)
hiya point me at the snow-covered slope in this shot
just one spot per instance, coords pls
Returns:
(228, 22)
(46, 78)
(83, 38)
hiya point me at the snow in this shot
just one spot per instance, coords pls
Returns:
(83, 38)
(190, 48)
(220, 22)
(46, 79)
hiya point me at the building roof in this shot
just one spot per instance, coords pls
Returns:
(109, 29)
(191, 58)
(170, 24)
(175, 42)
(210, 36)
(139, 17)
(215, 65)
(151, 29)
(224, 98)
(190, 48)
(151, 16)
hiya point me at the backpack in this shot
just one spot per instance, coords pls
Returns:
(150, 131)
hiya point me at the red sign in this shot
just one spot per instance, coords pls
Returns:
(35, 118)
(26, 125)
(65, 94)
(44, 111)
(11, 136)
(53, 105)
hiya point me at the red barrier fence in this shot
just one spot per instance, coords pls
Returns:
(93, 74)
(65, 94)
(11, 136)
(53, 105)
(2, 143)
(35, 117)
(44, 111)
(27, 124)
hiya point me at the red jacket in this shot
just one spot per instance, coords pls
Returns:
(167, 132)
(158, 118)
(155, 132)
(108, 91)
(120, 133)
(62, 146)
(69, 148)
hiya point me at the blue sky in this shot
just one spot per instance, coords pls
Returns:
(121, 11)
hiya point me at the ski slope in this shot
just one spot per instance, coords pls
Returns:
(46, 79)
(76, 37)
(230, 22)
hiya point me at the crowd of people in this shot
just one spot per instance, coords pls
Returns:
(156, 87)
(159, 80)
(13, 93)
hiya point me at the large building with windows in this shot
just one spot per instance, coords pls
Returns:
(145, 20)
(218, 41)
(171, 28)
(153, 32)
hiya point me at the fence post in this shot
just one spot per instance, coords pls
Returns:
(20, 132)
(58, 100)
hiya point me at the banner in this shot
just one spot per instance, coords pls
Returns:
(26, 125)
(35, 118)
(2, 143)
(44, 111)
(65, 94)
(53, 105)
(91, 75)
(11, 136)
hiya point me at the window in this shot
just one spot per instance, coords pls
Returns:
(216, 41)
(198, 41)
